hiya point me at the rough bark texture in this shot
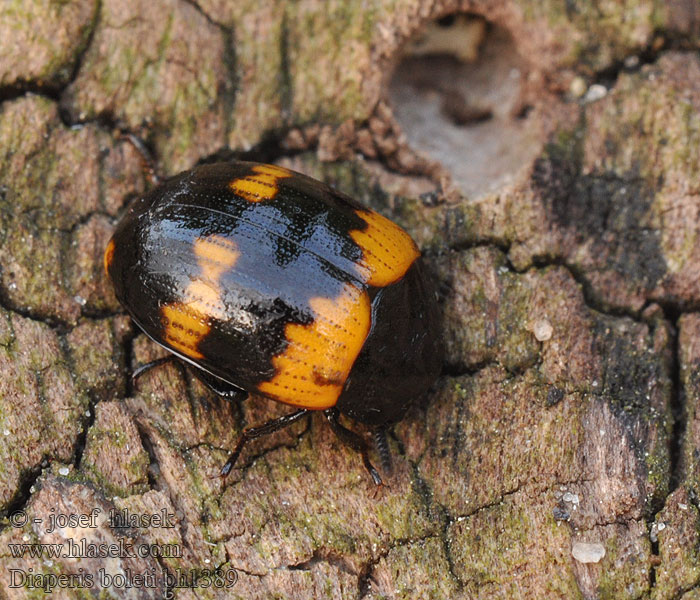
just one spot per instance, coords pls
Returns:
(558, 455)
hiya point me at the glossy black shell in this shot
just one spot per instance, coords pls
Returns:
(291, 247)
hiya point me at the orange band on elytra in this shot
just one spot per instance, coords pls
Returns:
(186, 323)
(387, 250)
(312, 370)
(262, 184)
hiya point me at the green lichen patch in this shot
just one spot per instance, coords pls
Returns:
(41, 406)
(326, 579)
(502, 550)
(259, 30)
(494, 302)
(316, 499)
(42, 40)
(593, 36)
(80, 541)
(487, 435)
(624, 570)
(677, 530)
(114, 457)
(329, 52)
(536, 553)
(615, 194)
(656, 108)
(409, 571)
(689, 333)
(95, 351)
(53, 181)
(165, 70)
(179, 406)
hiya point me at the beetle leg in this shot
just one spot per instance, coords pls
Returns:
(354, 441)
(250, 433)
(149, 365)
(147, 159)
(383, 448)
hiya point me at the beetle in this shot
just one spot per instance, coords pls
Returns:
(270, 282)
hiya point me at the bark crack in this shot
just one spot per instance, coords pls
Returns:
(365, 579)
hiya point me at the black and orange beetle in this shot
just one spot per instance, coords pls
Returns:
(273, 283)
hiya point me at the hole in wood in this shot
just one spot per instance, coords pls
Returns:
(457, 93)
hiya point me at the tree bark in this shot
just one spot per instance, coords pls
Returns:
(557, 456)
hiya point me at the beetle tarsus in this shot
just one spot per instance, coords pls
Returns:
(354, 441)
(382, 445)
(250, 433)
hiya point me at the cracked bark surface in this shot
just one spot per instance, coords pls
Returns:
(567, 409)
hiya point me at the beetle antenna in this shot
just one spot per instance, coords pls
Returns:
(382, 445)
(147, 160)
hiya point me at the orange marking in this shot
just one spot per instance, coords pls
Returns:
(109, 255)
(387, 250)
(262, 185)
(184, 328)
(312, 370)
(188, 322)
(216, 254)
